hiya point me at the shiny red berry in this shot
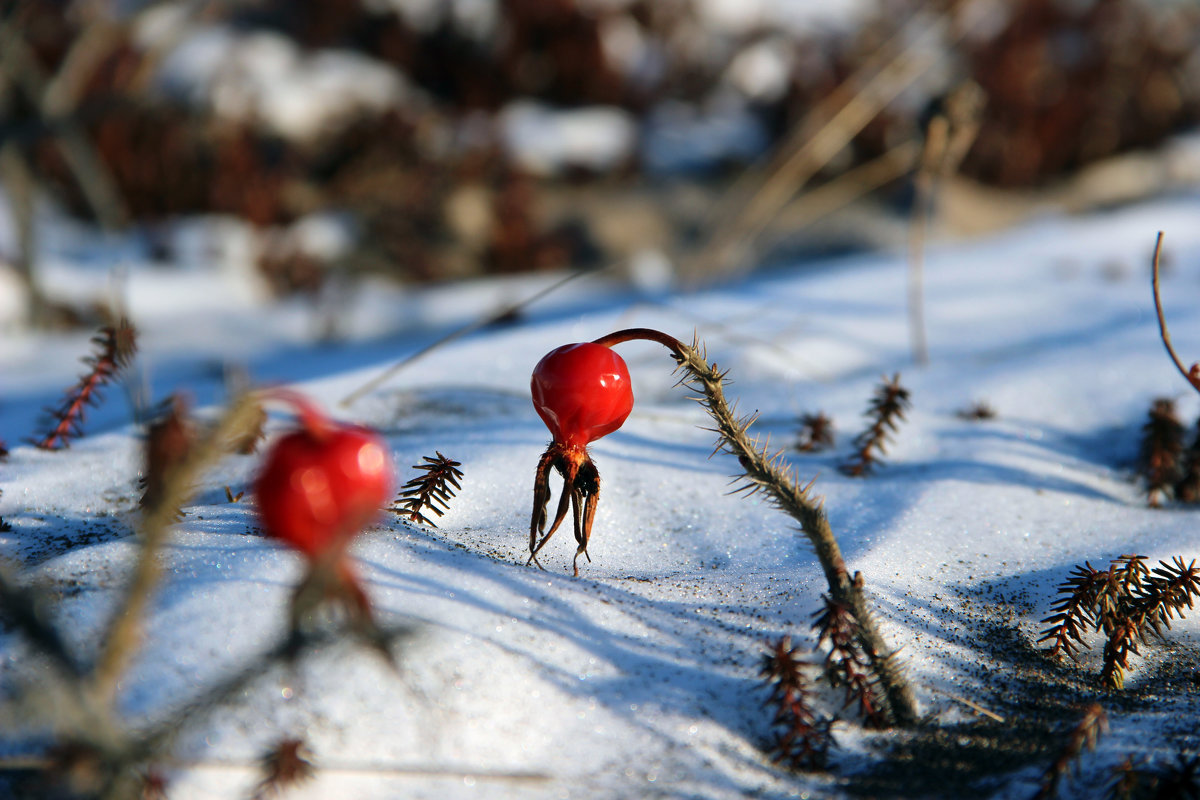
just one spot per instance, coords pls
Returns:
(582, 392)
(322, 483)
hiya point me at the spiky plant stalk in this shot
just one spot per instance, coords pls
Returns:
(115, 348)
(847, 665)
(803, 739)
(1127, 602)
(429, 492)
(770, 474)
(1162, 451)
(285, 765)
(885, 413)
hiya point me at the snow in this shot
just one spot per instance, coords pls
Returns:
(637, 679)
(681, 137)
(547, 141)
(267, 79)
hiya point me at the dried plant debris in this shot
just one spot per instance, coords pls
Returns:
(1179, 780)
(816, 433)
(848, 666)
(1082, 737)
(1160, 463)
(287, 764)
(1187, 488)
(978, 411)
(4, 526)
(430, 492)
(803, 738)
(247, 442)
(169, 439)
(1127, 603)
(1146, 781)
(885, 414)
(154, 785)
(115, 348)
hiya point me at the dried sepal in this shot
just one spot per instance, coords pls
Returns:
(286, 764)
(1160, 462)
(1083, 736)
(885, 413)
(816, 433)
(431, 492)
(580, 495)
(803, 737)
(115, 348)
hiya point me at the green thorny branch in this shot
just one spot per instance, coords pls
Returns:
(770, 474)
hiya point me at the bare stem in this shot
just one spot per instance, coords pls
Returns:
(769, 473)
(1191, 376)
(459, 333)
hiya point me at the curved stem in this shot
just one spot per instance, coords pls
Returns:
(1190, 376)
(311, 417)
(629, 334)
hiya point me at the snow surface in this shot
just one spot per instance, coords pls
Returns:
(637, 679)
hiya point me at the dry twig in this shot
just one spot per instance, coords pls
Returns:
(1192, 375)
(948, 137)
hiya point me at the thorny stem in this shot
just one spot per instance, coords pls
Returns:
(767, 473)
(1191, 376)
(115, 348)
(124, 630)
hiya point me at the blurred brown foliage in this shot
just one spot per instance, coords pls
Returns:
(1067, 83)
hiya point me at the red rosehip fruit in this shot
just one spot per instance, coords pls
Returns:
(322, 483)
(582, 392)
